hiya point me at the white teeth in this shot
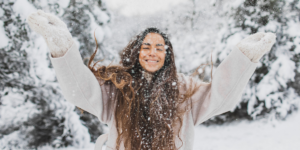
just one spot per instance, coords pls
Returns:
(152, 61)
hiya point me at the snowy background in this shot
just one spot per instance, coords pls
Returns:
(34, 114)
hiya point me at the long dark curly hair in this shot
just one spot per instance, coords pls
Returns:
(148, 115)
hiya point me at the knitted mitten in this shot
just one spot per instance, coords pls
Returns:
(54, 31)
(256, 45)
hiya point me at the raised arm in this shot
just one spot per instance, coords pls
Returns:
(230, 78)
(78, 84)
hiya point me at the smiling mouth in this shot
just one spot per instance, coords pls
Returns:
(152, 61)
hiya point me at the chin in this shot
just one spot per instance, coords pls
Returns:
(152, 70)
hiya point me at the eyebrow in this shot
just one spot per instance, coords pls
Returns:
(150, 44)
(146, 44)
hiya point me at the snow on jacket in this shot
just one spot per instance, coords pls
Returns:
(80, 87)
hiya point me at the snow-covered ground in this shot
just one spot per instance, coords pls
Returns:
(256, 135)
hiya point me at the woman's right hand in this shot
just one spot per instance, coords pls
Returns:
(54, 31)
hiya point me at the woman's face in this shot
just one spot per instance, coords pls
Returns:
(152, 52)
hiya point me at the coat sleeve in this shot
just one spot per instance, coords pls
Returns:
(79, 85)
(226, 88)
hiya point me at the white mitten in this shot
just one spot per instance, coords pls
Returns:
(54, 31)
(256, 45)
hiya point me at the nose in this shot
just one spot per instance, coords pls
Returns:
(152, 52)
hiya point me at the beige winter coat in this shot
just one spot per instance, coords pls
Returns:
(81, 88)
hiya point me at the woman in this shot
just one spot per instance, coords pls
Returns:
(144, 101)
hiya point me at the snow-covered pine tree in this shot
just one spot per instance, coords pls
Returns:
(272, 88)
(84, 18)
(193, 28)
(33, 111)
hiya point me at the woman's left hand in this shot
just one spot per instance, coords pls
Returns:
(256, 45)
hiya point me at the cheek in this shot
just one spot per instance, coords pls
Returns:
(141, 55)
(162, 58)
